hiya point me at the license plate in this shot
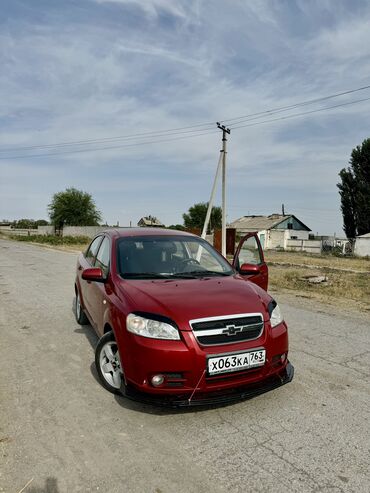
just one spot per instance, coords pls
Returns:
(236, 362)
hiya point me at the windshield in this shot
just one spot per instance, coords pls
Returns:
(156, 257)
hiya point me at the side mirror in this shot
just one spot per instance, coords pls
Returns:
(93, 274)
(250, 269)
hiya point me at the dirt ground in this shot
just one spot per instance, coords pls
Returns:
(345, 280)
(61, 432)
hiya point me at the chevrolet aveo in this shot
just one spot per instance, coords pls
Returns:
(178, 324)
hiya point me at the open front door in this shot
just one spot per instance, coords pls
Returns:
(249, 260)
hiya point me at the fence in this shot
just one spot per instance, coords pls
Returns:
(22, 232)
(344, 247)
(310, 246)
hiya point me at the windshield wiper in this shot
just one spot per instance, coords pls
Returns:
(182, 275)
(144, 275)
(202, 273)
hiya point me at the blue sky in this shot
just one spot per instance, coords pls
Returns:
(92, 69)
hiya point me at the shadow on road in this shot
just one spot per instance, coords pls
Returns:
(89, 333)
(51, 486)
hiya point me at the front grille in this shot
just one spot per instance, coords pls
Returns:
(227, 330)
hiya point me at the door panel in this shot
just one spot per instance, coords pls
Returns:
(100, 291)
(87, 287)
(249, 252)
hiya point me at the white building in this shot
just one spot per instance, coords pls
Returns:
(278, 231)
(362, 245)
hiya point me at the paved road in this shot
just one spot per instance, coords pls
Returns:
(59, 427)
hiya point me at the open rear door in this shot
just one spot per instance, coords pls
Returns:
(249, 260)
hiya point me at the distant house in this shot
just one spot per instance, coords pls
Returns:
(150, 221)
(362, 245)
(274, 231)
(5, 225)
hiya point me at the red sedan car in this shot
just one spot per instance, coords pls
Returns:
(177, 323)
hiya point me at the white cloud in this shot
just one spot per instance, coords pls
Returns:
(152, 7)
(76, 80)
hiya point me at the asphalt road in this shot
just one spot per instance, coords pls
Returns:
(62, 430)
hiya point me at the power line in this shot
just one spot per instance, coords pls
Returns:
(143, 135)
(300, 114)
(78, 151)
(194, 133)
(296, 105)
(189, 128)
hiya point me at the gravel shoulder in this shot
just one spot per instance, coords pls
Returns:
(61, 429)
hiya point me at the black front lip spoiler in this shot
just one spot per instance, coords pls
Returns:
(215, 398)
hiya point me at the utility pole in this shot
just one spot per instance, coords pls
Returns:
(224, 152)
(210, 203)
(221, 165)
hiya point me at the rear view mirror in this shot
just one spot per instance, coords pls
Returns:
(250, 269)
(93, 274)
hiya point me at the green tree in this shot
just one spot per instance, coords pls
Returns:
(24, 224)
(197, 214)
(41, 222)
(73, 208)
(178, 227)
(354, 191)
(29, 223)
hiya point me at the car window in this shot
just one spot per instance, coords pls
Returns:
(102, 258)
(169, 257)
(204, 257)
(93, 248)
(250, 252)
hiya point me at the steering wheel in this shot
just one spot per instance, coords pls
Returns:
(182, 265)
(190, 260)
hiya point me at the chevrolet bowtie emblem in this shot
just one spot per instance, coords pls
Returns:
(231, 330)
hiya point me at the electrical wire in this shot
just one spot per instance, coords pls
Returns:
(287, 117)
(187, 129)
(185, 132)
(78, 151)
(112, 139)
(293, 106)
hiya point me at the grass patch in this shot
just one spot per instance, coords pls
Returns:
(52, 239)
(341, 286)
(321, 261)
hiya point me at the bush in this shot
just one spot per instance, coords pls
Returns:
(53, 240)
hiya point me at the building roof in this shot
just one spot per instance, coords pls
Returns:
(258, 223)
(150, 221)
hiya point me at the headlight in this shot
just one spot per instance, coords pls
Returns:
(276, 316)
(147, 327)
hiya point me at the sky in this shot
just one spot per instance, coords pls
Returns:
(125, 73)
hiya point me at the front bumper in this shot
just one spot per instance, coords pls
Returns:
(225, 396)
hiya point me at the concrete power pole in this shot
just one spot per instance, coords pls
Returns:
(224, 152)
(221, 164)
(210, 203)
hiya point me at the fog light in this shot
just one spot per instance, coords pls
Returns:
(157, 380)
(283, 358)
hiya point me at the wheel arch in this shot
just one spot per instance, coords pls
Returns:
(107, 328)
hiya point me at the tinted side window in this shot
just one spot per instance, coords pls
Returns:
(102, 258)
(93, 248)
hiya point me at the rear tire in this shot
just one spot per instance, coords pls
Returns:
(108, 364)
(80, 315)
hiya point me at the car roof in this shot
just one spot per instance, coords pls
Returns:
(132, 232)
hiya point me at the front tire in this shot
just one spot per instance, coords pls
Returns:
(108, 363)
(80, 315)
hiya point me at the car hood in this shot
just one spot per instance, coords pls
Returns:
(189, 299)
